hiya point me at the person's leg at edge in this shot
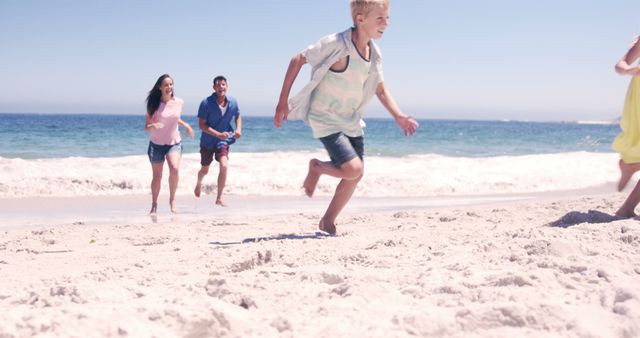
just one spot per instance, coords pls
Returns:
(627, 210)
(173, 160)
(222, 179)
(626, 172)
(156, 182)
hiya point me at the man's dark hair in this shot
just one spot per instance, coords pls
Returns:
(219, 78)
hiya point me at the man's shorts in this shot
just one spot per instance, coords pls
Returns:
(343, 148)
(207, 155)
(157, 152)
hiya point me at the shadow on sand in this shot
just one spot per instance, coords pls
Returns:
(315, 235)
(577, 217)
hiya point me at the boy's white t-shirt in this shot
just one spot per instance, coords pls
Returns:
(336, 99)
(320, 56)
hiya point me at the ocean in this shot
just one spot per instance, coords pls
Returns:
(38, 136)
(77, 155)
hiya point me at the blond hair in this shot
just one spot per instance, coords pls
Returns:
(363, 7)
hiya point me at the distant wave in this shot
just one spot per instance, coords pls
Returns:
(597, 122)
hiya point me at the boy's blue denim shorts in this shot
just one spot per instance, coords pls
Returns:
(343, 148)
(158, 152)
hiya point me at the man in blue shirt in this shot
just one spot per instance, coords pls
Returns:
(214, 118)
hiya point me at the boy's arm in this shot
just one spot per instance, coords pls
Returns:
(408, 125)
(624, 66)
(282, 109)
(208, 130)
(238, 131)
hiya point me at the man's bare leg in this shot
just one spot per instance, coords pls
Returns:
(204, 170)
(222, 180)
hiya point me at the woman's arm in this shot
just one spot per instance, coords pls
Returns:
(187, 128)
(149, 125)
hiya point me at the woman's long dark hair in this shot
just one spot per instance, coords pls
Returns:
(153, 99)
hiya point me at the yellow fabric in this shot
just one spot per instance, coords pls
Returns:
(627, 143)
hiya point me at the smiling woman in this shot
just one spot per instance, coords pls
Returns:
(162, 121)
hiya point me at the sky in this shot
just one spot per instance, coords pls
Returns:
(538, 60)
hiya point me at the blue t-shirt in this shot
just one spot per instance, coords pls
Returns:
(211, 113)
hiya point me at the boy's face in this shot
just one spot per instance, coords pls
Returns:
(220, 87)
(374, 23)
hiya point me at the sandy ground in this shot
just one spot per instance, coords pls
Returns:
(523, 267)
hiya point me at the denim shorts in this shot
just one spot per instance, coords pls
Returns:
(343, 148)
(157, 152)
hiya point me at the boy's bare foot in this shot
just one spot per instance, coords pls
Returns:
(329, 228)
(154, 209)
(221, 203)
(173, 207)
(626, 171)
(196, 191)
(311, 181)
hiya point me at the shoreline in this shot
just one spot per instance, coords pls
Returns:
(109, 210)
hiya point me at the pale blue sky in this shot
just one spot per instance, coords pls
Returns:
(467, 59)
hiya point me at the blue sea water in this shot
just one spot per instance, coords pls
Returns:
(33, 136)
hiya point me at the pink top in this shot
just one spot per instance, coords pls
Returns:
(168, 114)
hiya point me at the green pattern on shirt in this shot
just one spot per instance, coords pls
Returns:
(335, 101)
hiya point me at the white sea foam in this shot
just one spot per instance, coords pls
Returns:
(598, 122)
(282, 173)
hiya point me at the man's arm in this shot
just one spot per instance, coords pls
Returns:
(208, 130)
(238, 131)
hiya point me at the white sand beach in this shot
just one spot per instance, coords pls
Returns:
(492, 267)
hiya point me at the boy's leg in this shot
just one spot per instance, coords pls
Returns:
(342, 150)
(342, 195)
(206, 157)
(346, 154)
(349, 171)
(627, 209)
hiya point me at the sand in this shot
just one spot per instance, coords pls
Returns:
(552, 266)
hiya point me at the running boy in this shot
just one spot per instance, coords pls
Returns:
(214, 118)
(346, 73)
